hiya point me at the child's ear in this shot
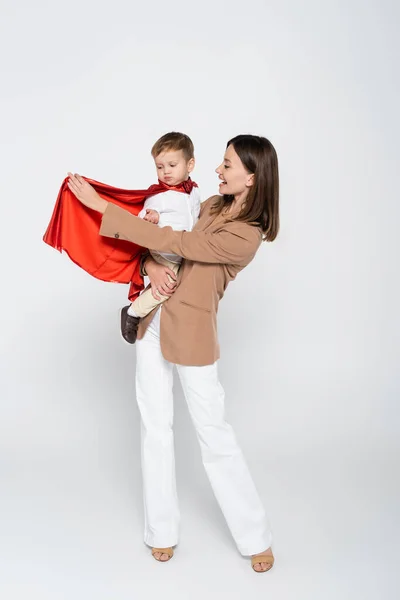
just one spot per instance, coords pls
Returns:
(191, 164)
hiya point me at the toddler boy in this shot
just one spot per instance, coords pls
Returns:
(177, 207)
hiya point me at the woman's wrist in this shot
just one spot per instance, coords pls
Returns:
(102, 205)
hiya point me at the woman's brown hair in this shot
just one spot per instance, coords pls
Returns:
(261, 207)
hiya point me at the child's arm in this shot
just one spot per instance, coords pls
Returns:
(153, 207)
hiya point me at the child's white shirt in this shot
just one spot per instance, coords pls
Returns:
(177, 210)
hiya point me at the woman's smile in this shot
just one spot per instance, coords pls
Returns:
(222, 182)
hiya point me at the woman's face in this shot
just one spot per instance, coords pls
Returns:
(235, 179)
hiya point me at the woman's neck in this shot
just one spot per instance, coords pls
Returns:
(237, 203)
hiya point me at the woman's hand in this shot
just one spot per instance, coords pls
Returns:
(162, 279)
(86, 193)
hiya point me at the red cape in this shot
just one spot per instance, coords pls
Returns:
(74, 228)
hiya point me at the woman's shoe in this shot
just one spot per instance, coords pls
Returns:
(162, 551)
(262, 558)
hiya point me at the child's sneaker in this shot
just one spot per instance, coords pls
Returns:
(129, 326)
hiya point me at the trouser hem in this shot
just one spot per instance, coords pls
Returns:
(255, 548)
(166, 542)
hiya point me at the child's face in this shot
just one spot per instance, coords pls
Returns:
(172, 167)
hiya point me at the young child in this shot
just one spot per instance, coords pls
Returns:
(173, 155)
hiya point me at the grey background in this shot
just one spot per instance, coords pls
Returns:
(309, 331)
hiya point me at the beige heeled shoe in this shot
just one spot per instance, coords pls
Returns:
(262, 558)
(168, 551)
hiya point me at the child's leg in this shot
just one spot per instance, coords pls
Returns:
(142, 306)
(146, 302)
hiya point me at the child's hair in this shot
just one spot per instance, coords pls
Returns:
(174, 141)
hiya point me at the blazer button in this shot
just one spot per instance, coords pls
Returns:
(116, 235)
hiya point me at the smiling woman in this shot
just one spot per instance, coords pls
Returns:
(183, 333)
(235, 178)
(254, 169)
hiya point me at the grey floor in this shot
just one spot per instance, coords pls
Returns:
(71, 522)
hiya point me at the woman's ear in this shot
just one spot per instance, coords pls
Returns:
(250, 180)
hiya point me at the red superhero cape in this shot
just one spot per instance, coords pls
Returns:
(74, 228)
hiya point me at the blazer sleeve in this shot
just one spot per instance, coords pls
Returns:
(234, 243)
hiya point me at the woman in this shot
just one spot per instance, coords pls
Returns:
(230, 229)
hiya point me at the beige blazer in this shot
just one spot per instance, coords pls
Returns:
(214, 252)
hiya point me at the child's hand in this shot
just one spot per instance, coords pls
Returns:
(152, 216)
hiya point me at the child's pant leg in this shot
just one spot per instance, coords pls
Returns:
(146, 302)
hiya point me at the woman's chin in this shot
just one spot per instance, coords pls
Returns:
(223, 188)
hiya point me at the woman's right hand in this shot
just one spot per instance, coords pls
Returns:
(162, 279)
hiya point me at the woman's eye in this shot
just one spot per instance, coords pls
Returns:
(226, 166)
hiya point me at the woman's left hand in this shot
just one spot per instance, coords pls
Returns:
(86, 193)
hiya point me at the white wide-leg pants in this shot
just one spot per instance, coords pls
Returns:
(222, 457)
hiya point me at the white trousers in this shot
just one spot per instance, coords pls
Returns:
(222, 457)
